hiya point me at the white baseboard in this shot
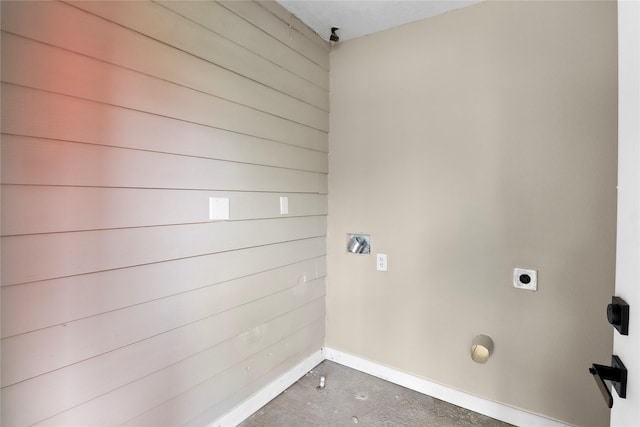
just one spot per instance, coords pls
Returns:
(491, 409)
(465, 400)
(265, 395)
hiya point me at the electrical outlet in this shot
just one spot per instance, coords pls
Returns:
(525, 279)
(381, 262)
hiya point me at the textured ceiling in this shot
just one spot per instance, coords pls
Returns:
(357, 18)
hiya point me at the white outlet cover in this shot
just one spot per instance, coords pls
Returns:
(218, 208)
(284, 205)
(381, 262)
(524, 278)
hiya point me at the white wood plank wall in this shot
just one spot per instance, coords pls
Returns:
(121, 302)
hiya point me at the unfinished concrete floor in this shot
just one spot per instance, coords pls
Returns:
(351, 397)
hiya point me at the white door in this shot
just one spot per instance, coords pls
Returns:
(626, 412)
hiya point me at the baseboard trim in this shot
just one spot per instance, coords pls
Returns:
(465, 400)
(491, 409)
(268, 393)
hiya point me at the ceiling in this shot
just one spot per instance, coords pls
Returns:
(356, 18)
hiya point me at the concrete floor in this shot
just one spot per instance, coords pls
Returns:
(351, 397)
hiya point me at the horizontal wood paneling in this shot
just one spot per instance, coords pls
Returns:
(167, 63)
(39, 257)
(120, 298)
(164, 25)
(246, 389)
(222, 21)
(292, 34)
(35, 161)
(150, 391)
(97, 376)
(58, 70)
(323, 184)
(109, 331)
(41, 114)
(258, 371)
(92, 208)
(41, 304)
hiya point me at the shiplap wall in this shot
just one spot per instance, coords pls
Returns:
(121, 302)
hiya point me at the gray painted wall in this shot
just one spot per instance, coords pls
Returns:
(466, 145)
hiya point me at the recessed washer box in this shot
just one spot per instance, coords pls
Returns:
(524, 278)
(358, 243)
